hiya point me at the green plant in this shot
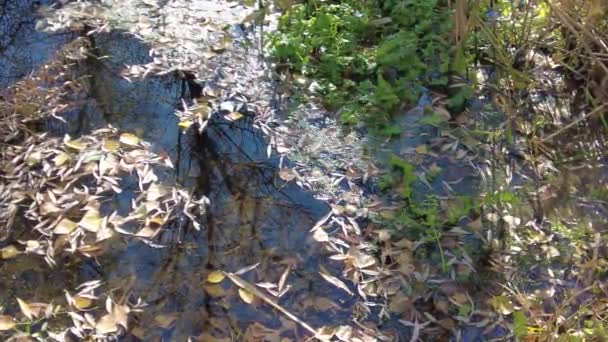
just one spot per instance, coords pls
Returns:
(369, 57)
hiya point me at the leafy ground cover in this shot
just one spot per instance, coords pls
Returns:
(476, 212)
(516, 89)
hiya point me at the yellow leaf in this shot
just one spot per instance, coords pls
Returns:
(185, 124)
(246, 296)
(91, 221)
(82, 303)
(6, 323)
(75, 144)
(129, 139)
(8, 252)
(216, 277)
(110, 145)
(65, 226)
(25, 309)
(61, 158)
(33, 158)
(202, 112)
(233, 116)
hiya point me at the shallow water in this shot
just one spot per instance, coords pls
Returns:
(253, 217)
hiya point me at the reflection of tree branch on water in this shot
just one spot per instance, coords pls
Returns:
(268, 181)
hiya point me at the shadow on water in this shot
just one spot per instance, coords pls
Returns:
(253, 216)
(22, 47)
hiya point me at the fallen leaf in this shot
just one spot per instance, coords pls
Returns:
(61, 158)
(246, 296)
(82, 303)
(106, 325)
(360, 259)
(110, 145)
(320, 235)
(129, 139)
(75, 144)
(336, 282)
(65, 226)
(502, 305)
(214, 290)
(8, 252)
(215, 277)
(6, 323)
(26, 309)
(91, 221)
(287, 174)
(156, 191)
(344, 333)
(33, 158)
(233, 116)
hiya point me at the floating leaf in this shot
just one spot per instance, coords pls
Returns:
(215, 277)
(129, 139)
(214, 290)
(336, 282)
(91, 221)
(6, 323)
(246, 296)
(185, 124)
(8, 252)
(287, 174)
(65, 226)
(233, 116)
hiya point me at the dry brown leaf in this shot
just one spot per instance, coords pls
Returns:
(7, 323)
(360, 259)
(65, 226)
(91, 221)
(287, 174)
(336, 282)
(320, 235)
(106, 325)
(26, 309)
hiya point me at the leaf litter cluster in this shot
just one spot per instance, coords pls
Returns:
(58, 198)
